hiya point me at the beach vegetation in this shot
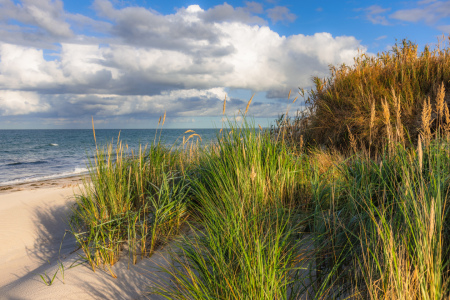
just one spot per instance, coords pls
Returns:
(132, 200)
(345, 200)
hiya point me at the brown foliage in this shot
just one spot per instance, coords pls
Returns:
(358, 100)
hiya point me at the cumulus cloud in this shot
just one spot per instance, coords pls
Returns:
(14, 103)
(145, 62)
(254, 7)
(26, 68)
(47, 15)
(253, 58)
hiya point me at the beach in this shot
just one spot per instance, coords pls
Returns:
(41, 171)
(34, 242)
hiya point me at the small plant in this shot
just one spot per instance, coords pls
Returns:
(46, 279)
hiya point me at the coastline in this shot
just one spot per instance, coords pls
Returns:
(61, 182)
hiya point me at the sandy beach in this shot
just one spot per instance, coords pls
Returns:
(33, 242)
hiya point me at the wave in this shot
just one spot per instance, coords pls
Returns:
(54, 145)
(38, 162)
(74, 172)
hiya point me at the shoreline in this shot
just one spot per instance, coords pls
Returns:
(62, 182)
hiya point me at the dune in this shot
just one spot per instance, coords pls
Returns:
(33, 242)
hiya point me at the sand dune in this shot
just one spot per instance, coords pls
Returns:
(32, 227)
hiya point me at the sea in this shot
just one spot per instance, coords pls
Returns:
(35, 155)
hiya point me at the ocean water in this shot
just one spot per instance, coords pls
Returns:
(32, 155)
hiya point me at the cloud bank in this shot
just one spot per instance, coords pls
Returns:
(134, 62)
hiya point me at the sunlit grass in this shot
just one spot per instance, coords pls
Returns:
(136, 200)
(347, 202)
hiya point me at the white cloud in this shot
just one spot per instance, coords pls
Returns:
(85, 64)
(26, 68)
(426, 1)
(46, 14)
(242, 57)
(182, 62)
(414, 15)
(227, 13)
(254, 7)
(445, 29)
(14, 103)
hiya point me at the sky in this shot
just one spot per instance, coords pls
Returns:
(127, 62)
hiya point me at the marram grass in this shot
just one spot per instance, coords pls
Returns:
(377, 100)
(270, 224)
(249, 245)
(136, 201)
(271, 216)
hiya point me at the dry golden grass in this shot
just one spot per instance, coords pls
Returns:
(387, 122)
(426, 121)
(359, 97)
(224, 105)
(248, 104)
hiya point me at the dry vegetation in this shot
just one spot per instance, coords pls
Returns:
(378, 97)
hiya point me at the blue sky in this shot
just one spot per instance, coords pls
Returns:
(127, 62)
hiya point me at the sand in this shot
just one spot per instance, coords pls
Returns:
(33, 223)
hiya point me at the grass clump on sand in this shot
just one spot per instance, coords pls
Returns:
(133, 200)
(306, 210)
(249, 244)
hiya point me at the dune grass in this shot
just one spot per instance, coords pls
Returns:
(249, 242)
(136, 200)
(269, 223)
(381, 226)
(305, 210)
(359, 100)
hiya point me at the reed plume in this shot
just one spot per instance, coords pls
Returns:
(398, 124)
(440, 106)
(224, 105)
(248, 104)
(447, 121)
(352, 140)
(426, 121)
(372, 122)
(420, 153)
(387, 122)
